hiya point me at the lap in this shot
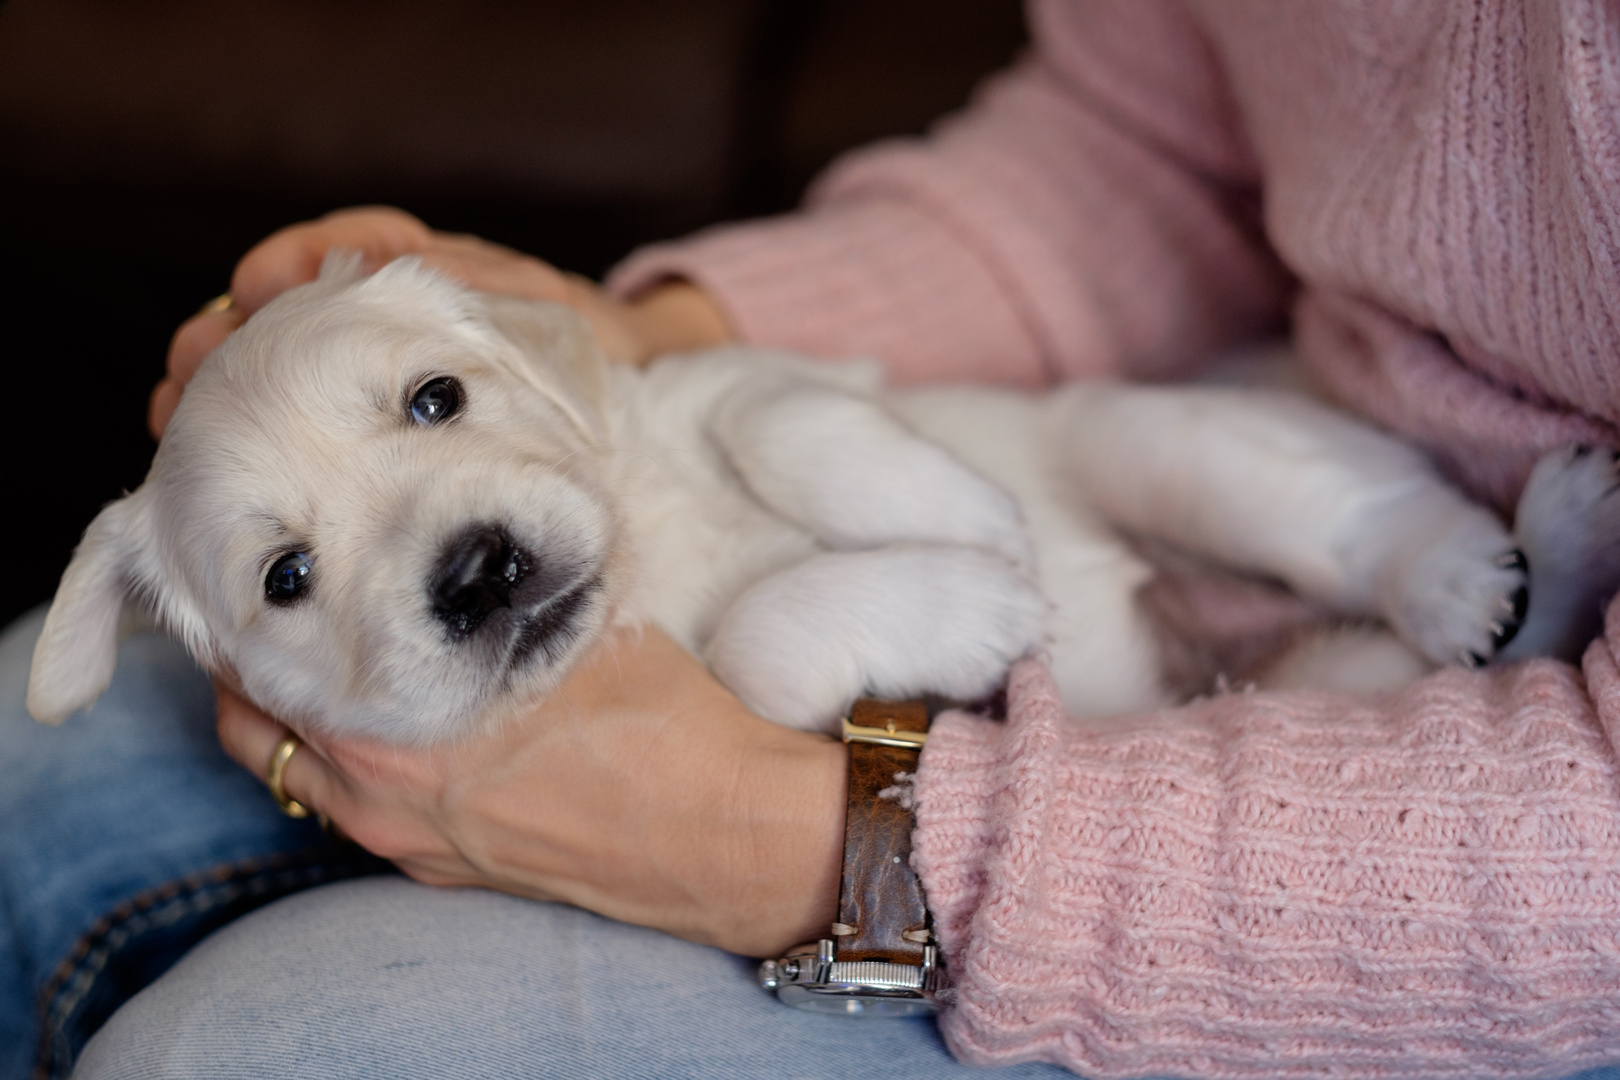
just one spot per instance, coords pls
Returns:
(384, 978)
(126, 835)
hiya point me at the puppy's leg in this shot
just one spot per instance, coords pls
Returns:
(845, 469)
(1364, 660)
(1568, 524)
(898, 621)
(1281, 485)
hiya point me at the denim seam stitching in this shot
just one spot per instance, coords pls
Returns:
(152, 908)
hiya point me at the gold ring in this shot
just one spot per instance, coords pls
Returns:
(285, 749)
(220, 303)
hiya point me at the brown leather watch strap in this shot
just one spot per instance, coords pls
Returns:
(881, 912)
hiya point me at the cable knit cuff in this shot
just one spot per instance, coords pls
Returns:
(960, 761)
(862, 277)
(1266, 886)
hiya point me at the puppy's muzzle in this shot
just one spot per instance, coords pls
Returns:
(479, 573)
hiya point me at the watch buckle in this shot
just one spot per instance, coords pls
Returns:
(887, 735)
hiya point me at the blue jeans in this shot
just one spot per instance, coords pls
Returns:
(127, 838)
(385, 978)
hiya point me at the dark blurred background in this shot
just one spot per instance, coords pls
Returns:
(146, 144)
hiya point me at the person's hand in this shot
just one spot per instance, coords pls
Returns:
(641, 789)
(673, 316)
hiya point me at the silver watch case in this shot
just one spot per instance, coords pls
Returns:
(809, 978)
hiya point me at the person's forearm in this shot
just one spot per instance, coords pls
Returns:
(793, 847)
(1255, 885)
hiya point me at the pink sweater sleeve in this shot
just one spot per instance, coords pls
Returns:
(1281, 886)
(1094, 211)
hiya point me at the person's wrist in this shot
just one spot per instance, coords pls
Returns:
(675, 316)
(793, 837)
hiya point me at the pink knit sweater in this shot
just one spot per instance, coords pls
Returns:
(1262, 885)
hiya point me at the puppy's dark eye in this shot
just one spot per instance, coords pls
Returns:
(288, 577)
(436, 402)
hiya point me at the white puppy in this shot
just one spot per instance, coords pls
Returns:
(390, 506)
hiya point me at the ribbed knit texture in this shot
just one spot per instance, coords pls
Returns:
(1268, 886)
(1252, 885)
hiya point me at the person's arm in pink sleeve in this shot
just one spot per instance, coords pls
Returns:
(1265, 885)
(1094, 211)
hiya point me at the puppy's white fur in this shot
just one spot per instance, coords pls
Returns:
(812, 536)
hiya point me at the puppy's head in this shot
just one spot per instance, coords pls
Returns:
(372, 509)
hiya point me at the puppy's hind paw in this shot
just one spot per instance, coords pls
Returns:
(1465, 595)
(1512, 608)
(1508, 612)
(1568, 524)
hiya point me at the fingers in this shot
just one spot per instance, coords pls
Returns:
(375, 799)
(287, 258)
(250, 737)
(165, 396)
(293, 255)
(491, 268)
(381, 234)
(197, 337)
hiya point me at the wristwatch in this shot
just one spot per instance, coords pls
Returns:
(879, 958)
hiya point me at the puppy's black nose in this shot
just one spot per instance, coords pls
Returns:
(476, 575)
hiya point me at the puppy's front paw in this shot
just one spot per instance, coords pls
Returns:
(1568, 523)
(1463, 595)
(896, 622)
(973, 615)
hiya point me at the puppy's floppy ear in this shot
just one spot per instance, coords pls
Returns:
(75, 654)
(426, 288)
(559, 357)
